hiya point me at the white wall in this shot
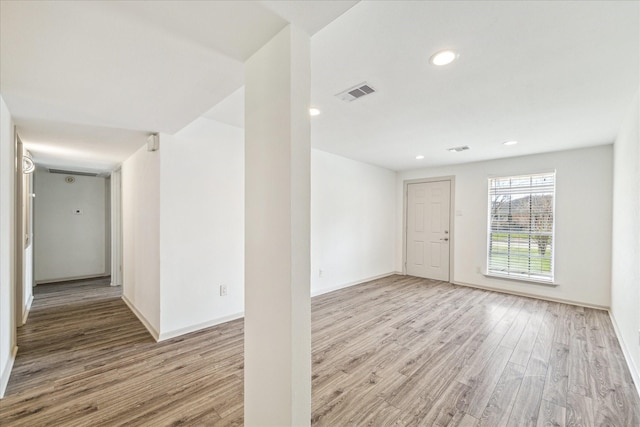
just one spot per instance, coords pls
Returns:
(7, 245)
(201, 226)
(583, 222)
(352, 221)
(69, 246)
(625, 277)
(141, 236)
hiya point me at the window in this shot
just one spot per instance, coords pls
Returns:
(521, 225)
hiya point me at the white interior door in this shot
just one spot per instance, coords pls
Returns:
(427, 233)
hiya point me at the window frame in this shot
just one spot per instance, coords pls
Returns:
(548, 279)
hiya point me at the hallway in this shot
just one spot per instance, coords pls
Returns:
(85, 359)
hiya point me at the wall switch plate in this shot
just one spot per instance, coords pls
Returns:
(320, 273)
(223, 290)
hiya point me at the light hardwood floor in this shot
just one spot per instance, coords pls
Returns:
(396, 351)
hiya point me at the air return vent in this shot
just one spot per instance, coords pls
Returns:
(357, 91)
(458, 149)
(65, 172)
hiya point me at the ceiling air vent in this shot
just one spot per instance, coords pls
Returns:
(357, 91)
(65, 172)
(458, 149)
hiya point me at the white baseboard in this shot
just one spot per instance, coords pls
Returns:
(6, 372)
(193, 328)
(27, 309)
(346, 285)
(635, 372)
(142, 319)
(70, 279)
(528, 295)
(177, 332)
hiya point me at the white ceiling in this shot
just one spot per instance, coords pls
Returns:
(79, 147)
(552, 75)
(108, 72)
(94, 77)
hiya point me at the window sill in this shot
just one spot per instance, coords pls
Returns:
(521, 279)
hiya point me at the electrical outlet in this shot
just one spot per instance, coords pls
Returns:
(478, 270)
(223, 290)
(320, 273)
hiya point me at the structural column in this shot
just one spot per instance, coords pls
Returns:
(277, 383)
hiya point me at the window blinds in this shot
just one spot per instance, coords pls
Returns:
(521, 226)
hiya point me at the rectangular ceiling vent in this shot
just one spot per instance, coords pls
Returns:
(65, 172)
(458, 149)
(357, 91)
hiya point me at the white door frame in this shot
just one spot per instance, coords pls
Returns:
(116, 227)
(452, 181)
(19, 226)
(24, 279)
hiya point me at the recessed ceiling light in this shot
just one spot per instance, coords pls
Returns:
(510, 143)
(314, 111)
(443, 57)
(419, 157)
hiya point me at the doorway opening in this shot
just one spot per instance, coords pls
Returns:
(72, 225)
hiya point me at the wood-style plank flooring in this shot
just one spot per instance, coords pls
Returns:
(396, 351)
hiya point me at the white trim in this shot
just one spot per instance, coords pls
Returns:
(70, 279)
(635, 372)
(193, 328)
(19, 230)
(142, 319)
(27, 309)
(182, 331)
(6, 372)
(520, 279)
(528, 295)
(116, 227)
(346, 285)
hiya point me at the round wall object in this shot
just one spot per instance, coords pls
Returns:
(69, 180)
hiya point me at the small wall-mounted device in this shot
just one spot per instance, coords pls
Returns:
(153, 142)
(77, 211)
